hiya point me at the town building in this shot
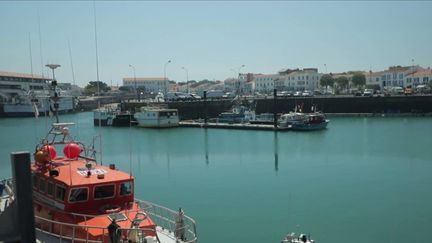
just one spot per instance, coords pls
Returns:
(392, 77)
(419, 77)
(265, 83)
(149, 84)
(242, 85)
(297, 79)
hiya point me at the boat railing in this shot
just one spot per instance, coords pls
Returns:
(170, 220)
(74, 232)
(6, 194)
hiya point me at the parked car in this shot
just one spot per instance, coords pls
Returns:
(423, 89)
(357, 93)
(368, 92)
(298, 93)
(285, 93)
(307, 93)
(408, 91)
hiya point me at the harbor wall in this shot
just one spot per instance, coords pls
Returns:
(333, 104)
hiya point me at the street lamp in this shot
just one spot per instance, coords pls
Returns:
(135, 82)
(187, 79)
(165, 83)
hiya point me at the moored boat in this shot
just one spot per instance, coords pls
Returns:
(292, 238)
(303, 121)
(263, 118)
(312, 121)
(113, 116)
(155, 117)
(77, 199)
(238, 114)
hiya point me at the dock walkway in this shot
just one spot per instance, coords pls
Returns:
(238, 126)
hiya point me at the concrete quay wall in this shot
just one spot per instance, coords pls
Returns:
(333, 104)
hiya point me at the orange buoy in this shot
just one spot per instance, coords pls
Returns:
(40, 157)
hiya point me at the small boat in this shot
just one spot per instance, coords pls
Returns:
(292, 238)
(263, 118)
(312, 121)
(156, 117)
(113, 116)
(289, 119)
(303, 121)
(239, 114)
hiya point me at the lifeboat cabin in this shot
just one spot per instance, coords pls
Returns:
(77, 199)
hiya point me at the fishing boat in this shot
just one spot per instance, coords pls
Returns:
(112, 115)
(303, 121)
(238, 114)
(157, 117)
(290, 119)
(292, 238)
(263, 118)
(311, 121)
(77, 199)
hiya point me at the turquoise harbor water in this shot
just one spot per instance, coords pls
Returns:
(361, 180)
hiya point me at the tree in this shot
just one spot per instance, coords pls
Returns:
(126, 88)
(359, 79)
(92, 88)
(342, 82)
(326, 80)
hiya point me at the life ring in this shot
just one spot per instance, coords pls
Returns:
(110, 209)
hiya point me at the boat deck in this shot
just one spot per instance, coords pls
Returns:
(164, 235)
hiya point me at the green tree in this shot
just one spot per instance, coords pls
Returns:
(342, 82)
(359, 79)
(327, 80)
(92, 88)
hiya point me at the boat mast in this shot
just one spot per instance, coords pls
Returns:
(55, 97)
(97, 79)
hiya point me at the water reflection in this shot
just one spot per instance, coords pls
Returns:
(276, 150)
(206, 146)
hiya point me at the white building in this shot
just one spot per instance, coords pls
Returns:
(243, 84)
(420, 77)
(296, 79)
(154, 84)
(392, 77)
(265, 83)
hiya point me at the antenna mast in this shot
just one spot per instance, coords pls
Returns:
(97, 77)
(55, 97)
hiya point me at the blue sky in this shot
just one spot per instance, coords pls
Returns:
(212, 39)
